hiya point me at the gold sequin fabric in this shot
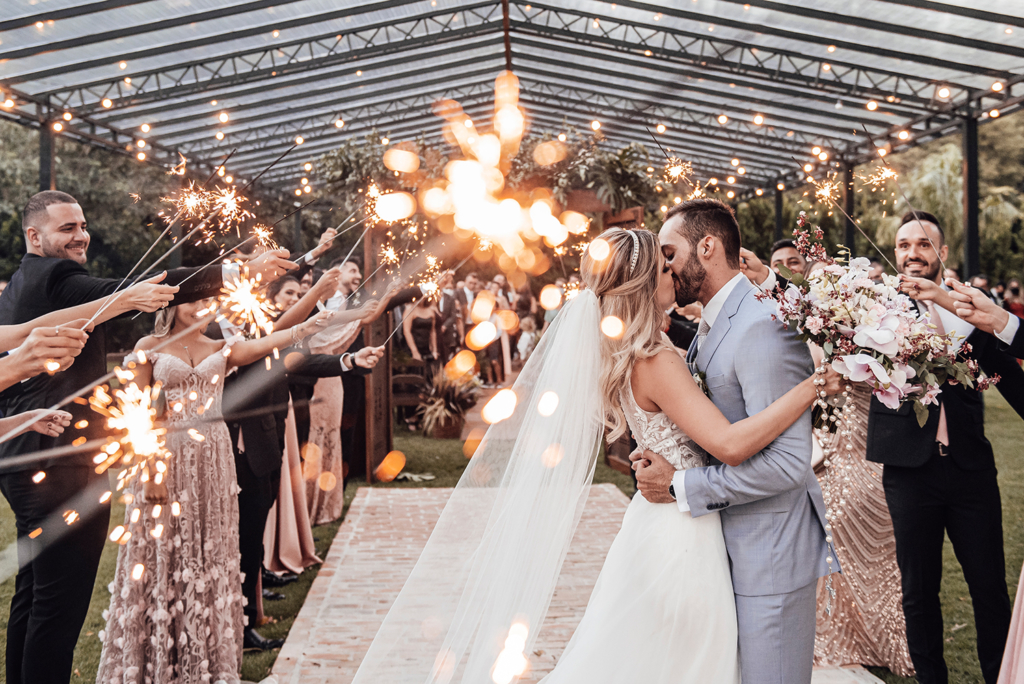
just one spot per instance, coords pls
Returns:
(867, 624)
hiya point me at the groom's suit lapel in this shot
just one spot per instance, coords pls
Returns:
(722, 323)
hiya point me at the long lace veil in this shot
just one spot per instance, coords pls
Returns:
(475, 601)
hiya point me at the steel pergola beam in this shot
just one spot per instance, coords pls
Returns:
(267, 63)
(261, 91)
(212, 39)
(732, 84)
(65, 13)
(807, 37)
(804, 10)
(969, 12)
(837, 77)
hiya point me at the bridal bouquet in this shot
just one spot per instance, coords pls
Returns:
(870, 331)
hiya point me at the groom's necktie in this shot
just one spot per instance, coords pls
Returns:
(702, 333)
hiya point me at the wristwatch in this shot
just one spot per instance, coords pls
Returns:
(672, 492)
(348, 356)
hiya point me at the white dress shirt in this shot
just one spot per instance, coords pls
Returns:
(709, 314)
(1009, 330)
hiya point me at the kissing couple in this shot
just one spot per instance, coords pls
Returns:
(715, 568)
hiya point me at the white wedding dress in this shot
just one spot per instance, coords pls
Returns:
(663, 609)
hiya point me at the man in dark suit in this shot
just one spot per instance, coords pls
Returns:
(941, 479)
(465, 296)
(58, 566)
(353, 409)
(256, 406)
(978, 309)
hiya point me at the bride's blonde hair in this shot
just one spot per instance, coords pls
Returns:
(626, 284)
(164, 321)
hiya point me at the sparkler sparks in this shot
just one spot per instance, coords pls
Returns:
(131, 411)
(247, 306)
(676, 170)
(828, 189)
(264, 236)
(190, 203)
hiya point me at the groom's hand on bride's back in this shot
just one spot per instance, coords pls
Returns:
(653, 476)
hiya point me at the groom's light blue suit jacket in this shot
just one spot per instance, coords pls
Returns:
(772, 511)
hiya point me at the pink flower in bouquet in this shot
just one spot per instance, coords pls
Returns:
(814, 325)
(861, 368)
(931, 395)
(881, 336)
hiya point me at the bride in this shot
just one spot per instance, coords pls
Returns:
(663, 608)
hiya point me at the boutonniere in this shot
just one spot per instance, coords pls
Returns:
(701, 378)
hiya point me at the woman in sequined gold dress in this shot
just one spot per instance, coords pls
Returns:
(866, 625)
(176, 600)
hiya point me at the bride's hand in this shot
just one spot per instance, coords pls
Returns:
(637, 459)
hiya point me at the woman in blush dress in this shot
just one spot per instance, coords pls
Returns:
(175, 612)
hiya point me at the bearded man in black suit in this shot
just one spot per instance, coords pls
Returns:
(941, 479)
(58, 561)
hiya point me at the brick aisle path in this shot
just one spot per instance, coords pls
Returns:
(375, 550)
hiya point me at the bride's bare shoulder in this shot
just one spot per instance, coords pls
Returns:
(663, 365)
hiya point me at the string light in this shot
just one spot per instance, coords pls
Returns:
(758, 119)
(994, 113)
(67, 116)
(997, 86)
(723, 119)
(223, 117)
(595, 124)
(144, 128)
(661, 128)
(943, 92)
(58, 126)
(107, 103)
(339, 123)
(871, 105)
(903, 135)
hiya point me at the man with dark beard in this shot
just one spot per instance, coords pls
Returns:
(941, 479)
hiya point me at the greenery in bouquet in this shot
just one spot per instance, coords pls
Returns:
(447, 397)
(869, 330)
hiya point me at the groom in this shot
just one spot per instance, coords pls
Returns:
(773, 516)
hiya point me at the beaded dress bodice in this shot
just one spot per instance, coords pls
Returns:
(655, 431)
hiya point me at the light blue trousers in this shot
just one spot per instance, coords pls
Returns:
(776, 634)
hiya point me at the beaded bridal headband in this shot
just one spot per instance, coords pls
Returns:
(636, 251)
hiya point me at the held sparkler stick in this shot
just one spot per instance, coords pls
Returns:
(216, 212)
(896, 179)
(112, 297)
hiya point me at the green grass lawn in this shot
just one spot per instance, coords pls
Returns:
(444, 459)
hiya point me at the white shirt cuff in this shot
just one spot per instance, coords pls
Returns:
(769, 283)
(679, 486)
(1009, 330)
(229, 273)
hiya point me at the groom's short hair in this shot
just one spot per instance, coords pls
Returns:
(923, 217)
(705, 216)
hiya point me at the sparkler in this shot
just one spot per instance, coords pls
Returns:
(827, 190)
(130, 410)
(246, 306)
(896, 179)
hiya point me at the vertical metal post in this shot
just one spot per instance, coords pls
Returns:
(850, 236)
(508, 36)
(778, 213)
(297, 234)
(972, 241)
(47, 169)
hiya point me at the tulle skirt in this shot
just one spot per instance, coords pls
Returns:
(663, 608)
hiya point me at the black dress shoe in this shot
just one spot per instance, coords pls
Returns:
(272, 580)
(272, 595)
(254, 640)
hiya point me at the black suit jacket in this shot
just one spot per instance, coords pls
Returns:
(254, 388)
(894, 437)
(42, 285)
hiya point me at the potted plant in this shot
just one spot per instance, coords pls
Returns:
(444, 403)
